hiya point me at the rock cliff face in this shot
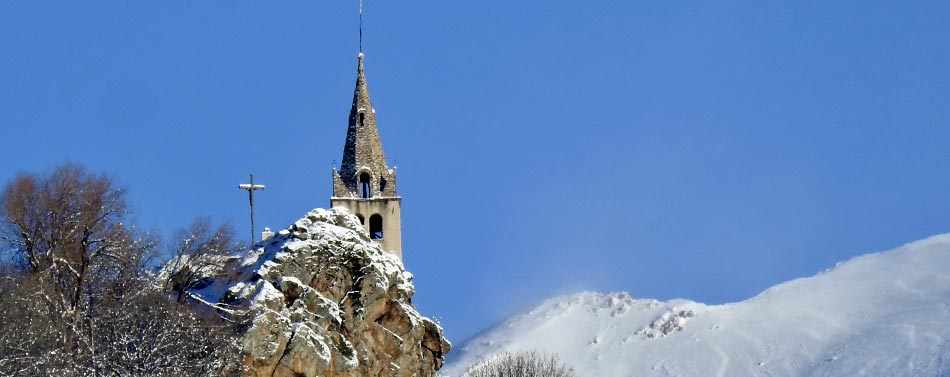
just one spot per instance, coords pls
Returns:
(326, 301)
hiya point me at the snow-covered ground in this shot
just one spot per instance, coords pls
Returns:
(883, 314)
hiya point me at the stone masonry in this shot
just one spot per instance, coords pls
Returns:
(365, 184)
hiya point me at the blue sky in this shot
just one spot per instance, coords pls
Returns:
(668, 149)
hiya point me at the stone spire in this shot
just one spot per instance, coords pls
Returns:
(363, 152)
(364, 184)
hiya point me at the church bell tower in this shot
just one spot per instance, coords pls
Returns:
(365, 184)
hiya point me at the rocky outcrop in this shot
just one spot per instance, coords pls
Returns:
(326, 301)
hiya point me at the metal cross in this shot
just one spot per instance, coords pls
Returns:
(250, 187)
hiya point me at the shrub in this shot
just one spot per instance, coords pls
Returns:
(521, 364)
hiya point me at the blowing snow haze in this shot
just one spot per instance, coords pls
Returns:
(884, 314)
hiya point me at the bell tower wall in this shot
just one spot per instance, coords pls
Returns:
(387, 231)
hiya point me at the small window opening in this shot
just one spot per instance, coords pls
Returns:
(364, 186)
(362, 220)
(361, 118)
(376, 227)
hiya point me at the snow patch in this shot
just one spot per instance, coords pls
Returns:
(881, 314)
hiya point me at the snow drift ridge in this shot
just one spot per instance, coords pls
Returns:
(882, 314)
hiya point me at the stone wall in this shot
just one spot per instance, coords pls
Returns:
(388, 208)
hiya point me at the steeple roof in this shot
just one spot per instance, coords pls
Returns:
(362, 149)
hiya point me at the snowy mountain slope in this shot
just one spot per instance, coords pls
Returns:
(883, 314)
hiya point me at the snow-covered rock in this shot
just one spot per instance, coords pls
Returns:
(884, 314)
(326, 301)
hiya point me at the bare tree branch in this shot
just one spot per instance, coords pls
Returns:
(75, 290)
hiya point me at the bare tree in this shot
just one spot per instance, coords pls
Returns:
(65, 228)
(76, 294)
(200, 254)
(521, 364)
(149, 335)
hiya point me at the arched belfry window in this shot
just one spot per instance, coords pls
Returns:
(362, 220)
(365, 191)
(376, 227)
